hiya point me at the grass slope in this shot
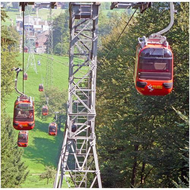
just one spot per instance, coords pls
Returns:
(43, 150)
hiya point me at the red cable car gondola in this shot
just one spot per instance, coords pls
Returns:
(23, 139)
(52, 129)
(23, 113)
(25, 49)
(41, 87)
(154, 66)
(44, 110)
(25, 76)
(37, 44)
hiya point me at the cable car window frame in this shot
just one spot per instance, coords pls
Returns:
(154, 73)
(45, 110)
(29, 106)
(24, 117)
(166, 53)
(22, 140)
(52, 127)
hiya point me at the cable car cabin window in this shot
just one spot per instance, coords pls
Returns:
(44, 110)
(22, 138)
(155, 64)
(24, 112)
(52, 129)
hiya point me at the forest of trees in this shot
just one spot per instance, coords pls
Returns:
(143, 141)
(61, 34)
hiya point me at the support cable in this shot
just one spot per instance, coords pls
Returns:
(120, 34)
(23, 50)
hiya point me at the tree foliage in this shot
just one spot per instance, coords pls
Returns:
(139, 140)
(49, 174)
(13, 169)
(61, 34)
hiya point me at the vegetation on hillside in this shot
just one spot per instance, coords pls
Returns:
(142, 141)
(61, 34)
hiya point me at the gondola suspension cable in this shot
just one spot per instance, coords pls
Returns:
(48, 65)
(23, 48)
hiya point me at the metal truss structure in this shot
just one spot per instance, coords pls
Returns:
(31, 60)
(78, 163)
(30, 41)
(127, 5)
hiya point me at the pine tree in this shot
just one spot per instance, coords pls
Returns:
(13, 169)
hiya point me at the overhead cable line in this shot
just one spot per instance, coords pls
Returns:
(23, 48)
(121, 34)
(58, 61)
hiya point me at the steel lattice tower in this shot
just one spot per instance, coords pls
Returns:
(31, 39)
(49, 64)
(31, 60)
(78, 158)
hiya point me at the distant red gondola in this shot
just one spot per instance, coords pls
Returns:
(23, 113)
(154, 67)
(44, 110)
(52, 129)
(37, 44)
(26, 50)
(25, 76)
(41, 87)
(23, 139)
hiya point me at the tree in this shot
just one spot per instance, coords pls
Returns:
(13, 169)
(49, 174)
(8, 57)
(61, 34)
(28, 10)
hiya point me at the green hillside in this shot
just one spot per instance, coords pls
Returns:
(43, 150)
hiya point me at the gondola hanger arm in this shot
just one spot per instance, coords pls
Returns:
(16, 80)
(171, 21)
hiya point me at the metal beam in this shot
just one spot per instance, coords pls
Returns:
(127, 5)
